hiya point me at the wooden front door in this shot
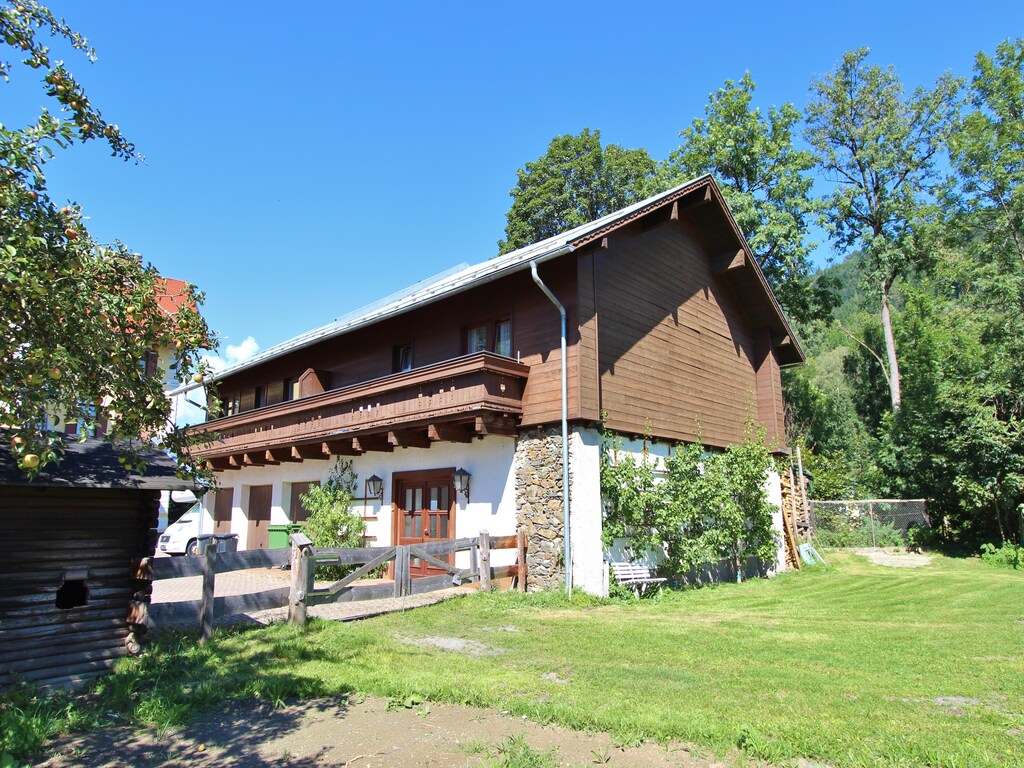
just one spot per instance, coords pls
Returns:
(424, 511)
(222, 510)
(259, 517)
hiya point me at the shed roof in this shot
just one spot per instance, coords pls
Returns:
(93, 464)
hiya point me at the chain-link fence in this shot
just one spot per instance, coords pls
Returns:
(867, 522)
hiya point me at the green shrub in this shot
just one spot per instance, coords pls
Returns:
(707, 507)
(331, 522)
(1007, 556)
(922, 537)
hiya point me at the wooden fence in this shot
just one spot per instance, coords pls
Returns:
(303, 558)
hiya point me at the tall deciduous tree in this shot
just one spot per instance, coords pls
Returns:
(878, 146)
(766, 183)
(574, 182)
(78, 317)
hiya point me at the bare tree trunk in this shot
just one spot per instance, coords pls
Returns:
(890, 349)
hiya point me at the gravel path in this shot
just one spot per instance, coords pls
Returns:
(894, 558)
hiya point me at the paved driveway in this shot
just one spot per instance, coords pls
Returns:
(263, 579)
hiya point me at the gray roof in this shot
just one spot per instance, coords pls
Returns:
(93, 464)
(446, 284)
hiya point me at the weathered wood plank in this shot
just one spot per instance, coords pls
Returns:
(230, 605)
(432, 583)
(252, 558)
(175, 567)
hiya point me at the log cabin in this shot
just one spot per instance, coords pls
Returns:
(453, 397)
(71, 542)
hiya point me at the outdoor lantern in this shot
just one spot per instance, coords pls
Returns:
(462, 482)
(375, 487)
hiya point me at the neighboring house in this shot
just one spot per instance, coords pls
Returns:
(70, 542)
(671, 330)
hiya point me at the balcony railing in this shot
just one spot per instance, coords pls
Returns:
(454, 400)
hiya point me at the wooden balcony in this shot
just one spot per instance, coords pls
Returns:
(452, 401)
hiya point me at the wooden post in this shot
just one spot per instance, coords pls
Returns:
(485, 561)
(301, 564)
(209, 554)
(401, 564)
(803, 490)
(521, 555)
(792, 500)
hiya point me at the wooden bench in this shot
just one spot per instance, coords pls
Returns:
(635, 576)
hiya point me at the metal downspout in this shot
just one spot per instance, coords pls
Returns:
(565, 430)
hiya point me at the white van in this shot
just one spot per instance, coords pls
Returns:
(172, 505)
(182, 537)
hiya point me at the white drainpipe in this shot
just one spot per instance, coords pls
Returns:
(565, 429)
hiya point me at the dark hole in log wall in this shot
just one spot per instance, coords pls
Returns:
(73, 593)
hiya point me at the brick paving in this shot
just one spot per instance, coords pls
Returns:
(262, 579)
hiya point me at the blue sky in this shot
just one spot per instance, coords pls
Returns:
(305, 159)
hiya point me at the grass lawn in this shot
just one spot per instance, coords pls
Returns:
(856, 665)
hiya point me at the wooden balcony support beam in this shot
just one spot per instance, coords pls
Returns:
(448, 433)
(372, 443)
(221, 464)
(343, 447)
(280, 455)
(253, 460)
(409, 438)
(494, 424)
(312, 451)
(268, 458)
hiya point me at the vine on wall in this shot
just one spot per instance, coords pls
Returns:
(703, 508)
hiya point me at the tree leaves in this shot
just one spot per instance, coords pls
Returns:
(78, 317)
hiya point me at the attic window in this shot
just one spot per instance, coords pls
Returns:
(74, 592)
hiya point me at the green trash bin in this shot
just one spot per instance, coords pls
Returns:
(278, 535)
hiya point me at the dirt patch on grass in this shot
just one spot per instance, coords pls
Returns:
(457, 644)
(894, 558)
(363, 733)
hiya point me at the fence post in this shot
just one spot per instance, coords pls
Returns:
(300, 578)
(485, 561)
(521, 555)
(209, 553)
(401, 565)
(871, 516)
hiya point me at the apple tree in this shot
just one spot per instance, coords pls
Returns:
(79, 318)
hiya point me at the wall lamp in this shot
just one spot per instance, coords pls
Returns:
(462, 482)
(375, 487)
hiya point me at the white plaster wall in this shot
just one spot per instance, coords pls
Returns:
(491, 504)
(585, 516)
(773, 487)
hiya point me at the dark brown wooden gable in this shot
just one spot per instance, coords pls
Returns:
(674, 348)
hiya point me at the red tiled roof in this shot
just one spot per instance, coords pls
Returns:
(172, 295)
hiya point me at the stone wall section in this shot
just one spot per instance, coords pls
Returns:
(538, 477)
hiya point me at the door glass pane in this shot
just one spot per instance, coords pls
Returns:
(444, 499)
(433, 526)
(417, 526)
(408, 500)
(406, 525)
(433, 499)
(444, 527)
(419, 500)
